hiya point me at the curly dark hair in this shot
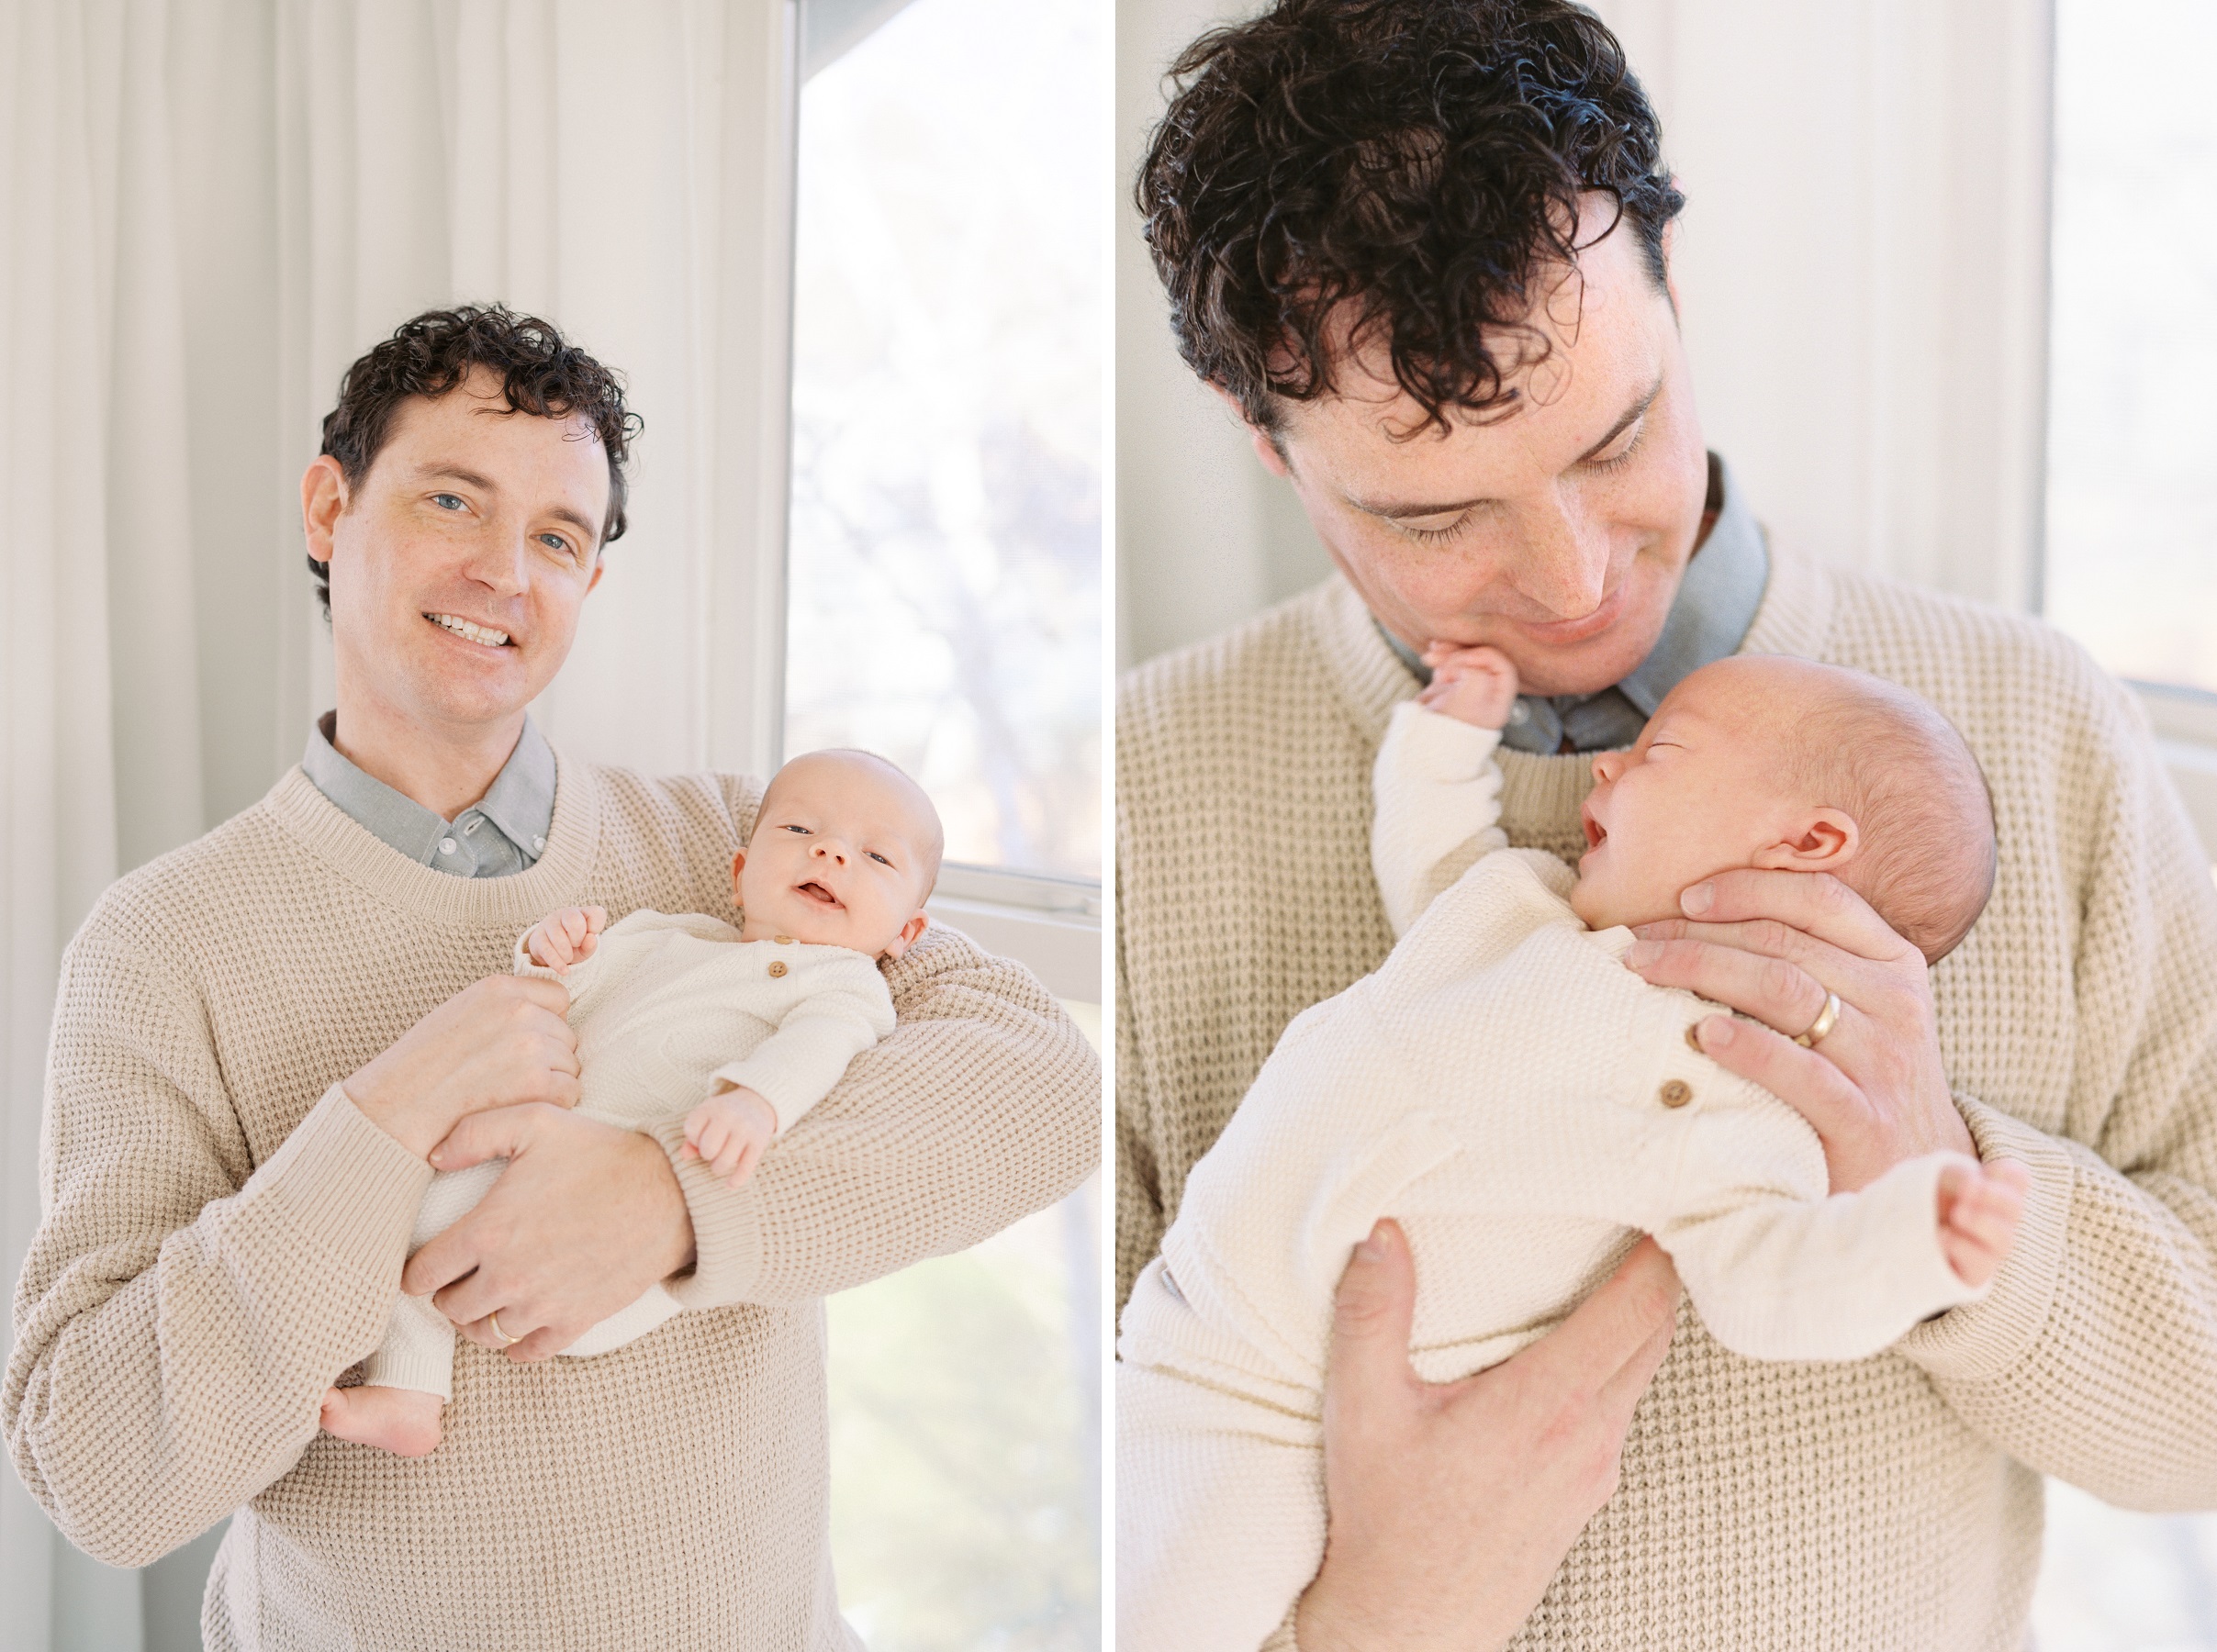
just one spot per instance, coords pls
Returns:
(1420, 159)
(541, 373)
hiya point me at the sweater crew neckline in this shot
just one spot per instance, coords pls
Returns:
(360, 856)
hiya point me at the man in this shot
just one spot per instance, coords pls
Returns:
(1422, 250)
(264, 1040)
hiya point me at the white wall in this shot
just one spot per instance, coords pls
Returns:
(1862, 263)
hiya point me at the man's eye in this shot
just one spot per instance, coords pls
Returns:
(554, 542)
(449, 501)
(1434, 536)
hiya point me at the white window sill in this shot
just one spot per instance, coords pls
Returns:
(1052, 925)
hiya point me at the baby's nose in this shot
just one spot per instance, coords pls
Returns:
(831, 848)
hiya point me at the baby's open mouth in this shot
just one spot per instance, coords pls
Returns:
(1595, 832)
(816, 892)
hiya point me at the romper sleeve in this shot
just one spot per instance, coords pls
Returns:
(1436, 807)
(846, 1010)
(982, 1106)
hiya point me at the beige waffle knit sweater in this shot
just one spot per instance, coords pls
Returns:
(1890, 1504)
(223, 1235)
(1526, 1107)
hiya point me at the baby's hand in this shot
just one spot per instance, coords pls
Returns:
(1473, 685)
(729, 1130)
(1979, 1210)
(567, 937)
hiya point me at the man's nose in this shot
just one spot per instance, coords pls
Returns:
(1565, 564)
(499, 562)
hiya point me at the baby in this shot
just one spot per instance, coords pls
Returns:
(752, 1025)
(1526, 1107)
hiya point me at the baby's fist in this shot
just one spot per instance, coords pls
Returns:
(1474, 685)
(728, 1133)
(566, 937)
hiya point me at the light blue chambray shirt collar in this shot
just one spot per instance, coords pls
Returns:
(1716, 599)
(504, 831)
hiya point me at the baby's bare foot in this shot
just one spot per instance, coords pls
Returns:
(1979, 1210)
(401, 1421)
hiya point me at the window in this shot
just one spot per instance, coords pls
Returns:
(2131, 573)
(945, 609)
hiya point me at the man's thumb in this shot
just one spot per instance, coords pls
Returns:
(1372, 1316)
(495, 1133)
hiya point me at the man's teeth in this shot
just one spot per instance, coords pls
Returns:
(462, 628)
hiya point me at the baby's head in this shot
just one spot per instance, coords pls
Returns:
(1764, 761)
(845, 853)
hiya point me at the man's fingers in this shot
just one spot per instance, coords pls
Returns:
(1815, 902)
(1802, 1078)
(1370, 1318)
(1780, 994)
(1609, 1339)
(447, 1257)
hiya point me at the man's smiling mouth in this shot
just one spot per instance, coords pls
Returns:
(469, 630)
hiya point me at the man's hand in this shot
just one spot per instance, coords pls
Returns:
(1475, 684)
(562, 939)
(583, 1219)
(1772, 944)
(1453, 1504)
(496, 1043)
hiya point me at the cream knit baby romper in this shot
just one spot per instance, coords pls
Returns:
(665, 1008)
(1526, 1107)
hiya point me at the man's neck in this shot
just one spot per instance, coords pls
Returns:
(442, 767)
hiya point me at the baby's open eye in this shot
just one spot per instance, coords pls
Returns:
(880, 858)
(801, 829)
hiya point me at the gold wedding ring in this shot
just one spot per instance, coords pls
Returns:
(506, 1340)
(1827, 1019)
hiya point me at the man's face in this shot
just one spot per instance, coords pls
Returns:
(1555, 530)
(459, 563)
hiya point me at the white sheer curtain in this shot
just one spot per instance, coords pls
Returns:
(209, 208)
(1864, 260)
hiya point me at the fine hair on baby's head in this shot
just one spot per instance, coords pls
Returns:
(1887, 759)
(844, 851)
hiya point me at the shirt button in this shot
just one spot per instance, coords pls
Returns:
(1693, 1038)
(782, 940)
(446, 845)
(538, 842)
(776, 967)
(1676, 1093)
(1519, 713)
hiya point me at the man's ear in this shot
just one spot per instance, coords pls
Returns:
(907, 937)
(1266, 444)
(1823, 841)
(323, 499)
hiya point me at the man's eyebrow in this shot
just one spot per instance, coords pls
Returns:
(1394, 513)
(470, 478)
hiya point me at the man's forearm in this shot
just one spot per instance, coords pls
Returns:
(141, 1414)
(2095, 1358)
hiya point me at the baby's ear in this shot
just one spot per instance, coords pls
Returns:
(738, 865)
(1822, 841)
(907, 937)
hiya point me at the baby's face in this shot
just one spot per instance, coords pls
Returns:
(840, 855)
(1703, 792)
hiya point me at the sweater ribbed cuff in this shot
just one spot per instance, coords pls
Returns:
(1986, 1339)
(727, 1227)
(341, 1187)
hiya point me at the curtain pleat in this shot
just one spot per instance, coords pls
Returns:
(209, 207)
